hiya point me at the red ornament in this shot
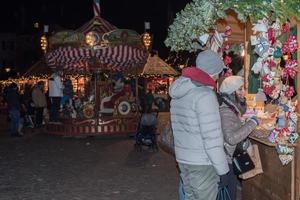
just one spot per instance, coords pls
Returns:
(268, 89)
(265, 78)
(226, 46)
(271, 64)
(289, 91)
(291, 63)
(291, 45)
(271, 36)
(227, 60)
(285, 27)
(228, 31)
(288, 72)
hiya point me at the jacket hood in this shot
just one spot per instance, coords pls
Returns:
(181, 87)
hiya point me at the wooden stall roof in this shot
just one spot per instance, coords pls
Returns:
(156, 66)
(38, 69)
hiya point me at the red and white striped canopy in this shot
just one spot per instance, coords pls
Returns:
(114, 58)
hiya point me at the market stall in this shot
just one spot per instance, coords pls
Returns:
(158, 76)
(102, 53)
(270, 51)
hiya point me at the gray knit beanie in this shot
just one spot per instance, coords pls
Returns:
(209, 62)
(231, 84)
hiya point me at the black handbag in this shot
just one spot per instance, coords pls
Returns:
(241, 161)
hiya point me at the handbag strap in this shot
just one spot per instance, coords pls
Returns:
(223, 194)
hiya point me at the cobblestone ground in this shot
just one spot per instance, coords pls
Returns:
(44, 167)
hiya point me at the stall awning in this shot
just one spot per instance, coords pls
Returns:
(156, 66)
(113, 58)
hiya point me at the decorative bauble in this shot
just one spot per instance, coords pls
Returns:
(262, 46)
(277, 53)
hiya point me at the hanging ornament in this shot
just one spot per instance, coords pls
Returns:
(227, 60)
(262, 46)
(293, 137)
(268, 89)
(271, 64)
(288, 72)
(285, 27)
(291, 45)
(284, 149)
(289, 91)
(285, 159)
(271, 36)
(228, 31)
(273, 135)
(260, 26)
(277, 53)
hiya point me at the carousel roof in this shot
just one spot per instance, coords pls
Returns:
(156, 66)
(119, 50)
(98, 25)
(112, 58)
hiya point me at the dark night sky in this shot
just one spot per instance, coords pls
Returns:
(19, 16)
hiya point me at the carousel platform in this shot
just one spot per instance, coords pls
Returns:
(107, 125)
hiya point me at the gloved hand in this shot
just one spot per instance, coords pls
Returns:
(224, 180)
(254, 119)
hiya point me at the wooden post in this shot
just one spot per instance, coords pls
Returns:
(247, 34)
(297, 155)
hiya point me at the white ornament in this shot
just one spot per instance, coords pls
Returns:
(253, 40)
(256, 68)
(203, 39)
(217, 41)
(260, 26)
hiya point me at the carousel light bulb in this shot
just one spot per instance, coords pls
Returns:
(44, 43)
(146, 40)
(92, 38)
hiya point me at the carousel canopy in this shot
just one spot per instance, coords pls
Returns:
(156, 66)
(98, 25)
(115, 58)
(96, 46)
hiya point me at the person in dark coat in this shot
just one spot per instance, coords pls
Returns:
(14, 107)
(149, 100)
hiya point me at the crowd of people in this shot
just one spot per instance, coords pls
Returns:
(24, 109)
(207, 126)
(35, 106)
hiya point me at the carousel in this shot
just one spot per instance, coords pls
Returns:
(106, 102)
